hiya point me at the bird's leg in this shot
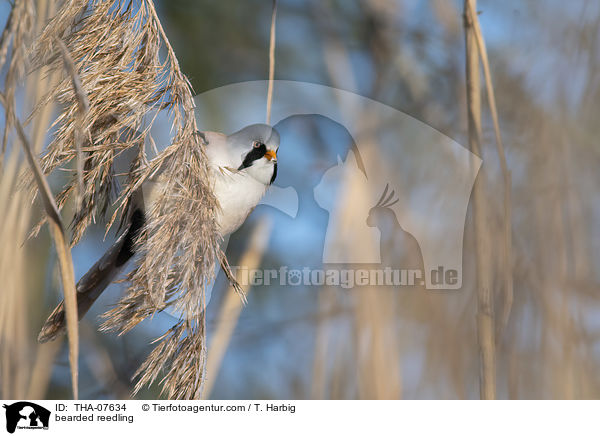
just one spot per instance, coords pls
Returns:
(228, 273)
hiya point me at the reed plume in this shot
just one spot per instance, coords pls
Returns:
(115, 51)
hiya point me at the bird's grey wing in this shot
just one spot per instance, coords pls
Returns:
(217, 150)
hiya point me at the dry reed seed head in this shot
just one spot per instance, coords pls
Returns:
(183, 348)
(115, 51)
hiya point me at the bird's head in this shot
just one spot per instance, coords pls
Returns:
(257, 147)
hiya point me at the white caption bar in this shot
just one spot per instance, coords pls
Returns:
(299, 417)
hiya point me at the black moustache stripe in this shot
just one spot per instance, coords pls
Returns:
(254, 154)
(274, 174)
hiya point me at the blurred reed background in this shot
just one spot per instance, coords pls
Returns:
(326, 342)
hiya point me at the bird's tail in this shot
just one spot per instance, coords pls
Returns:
(96, 280)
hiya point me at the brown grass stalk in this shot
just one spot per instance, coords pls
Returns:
(13, 303)
(39, 378)
(271, 62)
(485, 309)
(506, 174)
(19, 375)
(63, 251)
(83, 106)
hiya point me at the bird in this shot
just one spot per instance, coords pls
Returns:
(241, 167)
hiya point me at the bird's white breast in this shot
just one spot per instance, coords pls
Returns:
(237, 194)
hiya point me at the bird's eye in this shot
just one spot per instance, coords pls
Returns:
(256, 144)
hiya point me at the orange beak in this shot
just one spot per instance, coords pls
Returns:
(270, 154)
